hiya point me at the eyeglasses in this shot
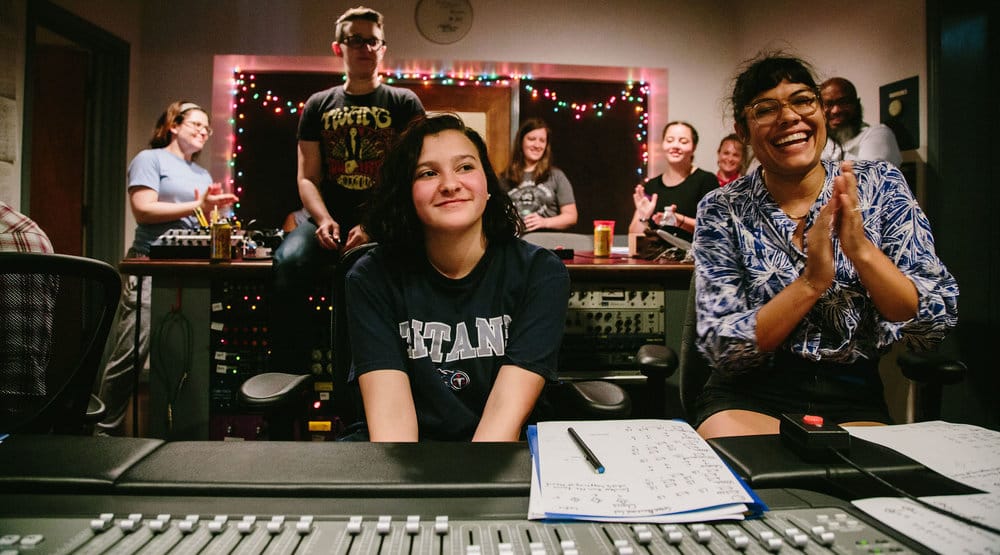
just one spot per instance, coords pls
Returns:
(765, 112)
(358, 42)
(199, 127)
(842, 102)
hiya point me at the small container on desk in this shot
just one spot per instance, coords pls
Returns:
(221, 248)
(604, 232)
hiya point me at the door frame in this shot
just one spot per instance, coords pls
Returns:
(106, 125)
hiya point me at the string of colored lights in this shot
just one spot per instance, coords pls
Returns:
(633, 94)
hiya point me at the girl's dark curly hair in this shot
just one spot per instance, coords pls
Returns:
(391, 218)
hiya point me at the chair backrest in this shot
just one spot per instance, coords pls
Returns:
(55, 316)
(347, 397)
(554, 239)
(694, 369)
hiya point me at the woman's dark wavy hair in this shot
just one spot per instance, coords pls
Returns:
(764, 72)
(515, 171)
(391, 218)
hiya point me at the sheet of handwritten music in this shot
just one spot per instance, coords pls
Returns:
(652, 467)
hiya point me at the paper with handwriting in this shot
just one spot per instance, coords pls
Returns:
(965, 453)
(962, 452)
(936, 531)
(652, 467)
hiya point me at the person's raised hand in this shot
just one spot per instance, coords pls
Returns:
(849, 223)
(644, 206)
(214, 196)
(819, 270)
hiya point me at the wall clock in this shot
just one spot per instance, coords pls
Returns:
(443, 21)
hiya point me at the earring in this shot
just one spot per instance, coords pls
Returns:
(489, 196)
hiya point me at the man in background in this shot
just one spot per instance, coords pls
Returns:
(344, 134)
(850, 138)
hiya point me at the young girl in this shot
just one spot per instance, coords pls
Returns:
(455, 323)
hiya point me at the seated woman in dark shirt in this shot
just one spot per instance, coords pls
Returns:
(670, 200)
(455, 322)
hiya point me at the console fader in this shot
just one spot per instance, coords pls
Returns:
(799, 530)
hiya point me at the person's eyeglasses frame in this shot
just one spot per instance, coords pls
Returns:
(357, 42)
(199, 127)
(842, 102)
(814, 102)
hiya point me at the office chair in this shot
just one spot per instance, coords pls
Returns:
(282, 397)
(927, 372)
(55, 316)
(588, 398)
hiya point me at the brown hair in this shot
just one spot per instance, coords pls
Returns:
(744, 155)
(173, 115)
(514, 173)
(694, 132)
(353, 14)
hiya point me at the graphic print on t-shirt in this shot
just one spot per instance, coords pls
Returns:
(356, 139)
(444, 342)
(455, 379)
(533, 198)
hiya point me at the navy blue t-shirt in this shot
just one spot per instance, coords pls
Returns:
(452, 336)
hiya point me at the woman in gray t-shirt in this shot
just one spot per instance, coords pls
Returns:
(542, 193)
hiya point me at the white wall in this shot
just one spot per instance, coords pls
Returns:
(699, 43)
(869, 43)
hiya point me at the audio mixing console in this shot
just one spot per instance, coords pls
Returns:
(806, 530)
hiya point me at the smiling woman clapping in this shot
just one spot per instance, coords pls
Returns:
(807, 271)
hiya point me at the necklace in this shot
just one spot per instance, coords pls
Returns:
(763, 175)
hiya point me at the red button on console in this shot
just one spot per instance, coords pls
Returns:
(812, 420)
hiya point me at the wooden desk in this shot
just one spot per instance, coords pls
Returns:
(583, 266)
(183, 288)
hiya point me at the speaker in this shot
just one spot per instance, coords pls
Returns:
(899, 109)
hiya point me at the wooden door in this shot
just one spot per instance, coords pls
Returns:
(58, 144)
(493, 102)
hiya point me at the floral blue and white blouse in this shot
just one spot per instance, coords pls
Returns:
(744, 256)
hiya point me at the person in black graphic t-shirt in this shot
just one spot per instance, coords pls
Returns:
(455, 322)
(344, 134)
